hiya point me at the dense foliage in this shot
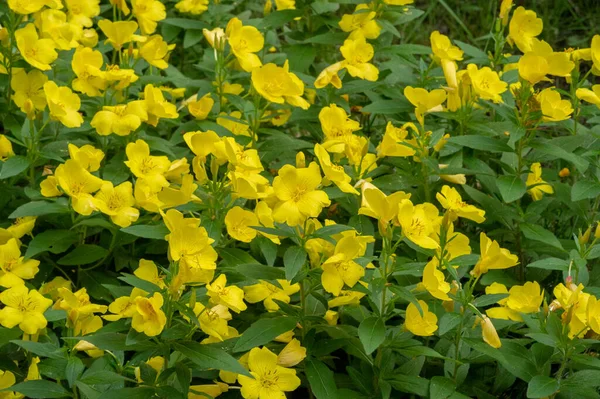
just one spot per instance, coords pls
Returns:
(258, 199)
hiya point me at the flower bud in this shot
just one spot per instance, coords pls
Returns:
(564, 172)
(489, 333)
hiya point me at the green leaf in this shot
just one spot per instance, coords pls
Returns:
(441, 387)
(40, 389)
(511, 188)
(414, 351)
(83, 255)
(541, 386)
(209, 357)
(584, 189)
(39, 208)
(42, 349)
(184, 23)
(101, 377)
(371, 333)
(155, 231)
(9, 334)
(486, 300)
(320, 378)
(260, 272)
(538, 233)
(555, 151)
(264, 331)
(55, 241)
(328, 231)
(410, 384)
(74, 369)
(129, 393)
(482, 143)
(13, 166)
(192, 37)
(388, 107)
(139, 283)
(550, 264)
(293, 260)
(277, 19)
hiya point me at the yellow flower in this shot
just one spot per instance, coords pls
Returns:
(121, 5)
(553, 107)
(394, 142)
(118, 33)
(434, 281)
(148, 271)
(278, 85)
(230, 296)
(330, 75)
(194, 7)
(377, 205)
(536, 186)
(89, 38)
(335, 122)
(79, 309)
(493, 257)
(190, 246)
(523, 28)
(590, 96)
(486, 83)
(457, 244)
(234, 123)
(398, 2)
(593, 314)
(156, 52)
(446, 54)
(346, 298)
(425, 101)
(49, 187)
(6, 150)
(489, 333)
(123, 77)
(216, 37)
(63, 104)
(124, 307)
(541, 60)
(424, 325)
(418, 222)
(451, 200)
(331, 317)
(239, 222)
(119, 119)
(341, 268)
(13, 268)
(270, 380)
(53, 24)
(361, 23)
(22, 226)
(38, 53)
(86, 156)
(81, 12)
(505, 7)
(24, 308)
(334, 173)
(145, 166)
(292, 354)
(213, 321)
(149, 317)
(595, 52)
(244, 42)
(78, 184)
(157, 363)
(266, 292)
(526, 298)
(200, 108)
(28, 90)
(148, 13)
(86, 65)
(117, 202)
(296, 190)
(357, 53)
(212, 390)
(25, 7)
(157, 106)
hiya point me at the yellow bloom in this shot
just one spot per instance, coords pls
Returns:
(270, 380)
(155, 51)
(89, 38)
(425, 101)
(239, 224)
(486, 83)
(145, 166)
(296, 190)
(28, 90)
(451, 200)
(505, 7)
(213, 321)
(553, 107)
(191, 247)
(489, 333)
(361, 23)
(78, 184)
(590, 96)
(86, 156)
(424, 325)
(124, 307)
(212, 390)
(357, 53)
(53, 24)
(119, 119)
(346, 298)
(523, 28)
(86, 65)
(536, 186)
(434, 281)
(493, 257)
(117, 202)
(121, 5)
(216, 37)
(118, 33)
(157, 363)
(418, 222)
(149, 318)
(148, 13)
(335, 122)
(526, 298)
(194, 7)
(278, 85)
(331, 317)
(81, 12)
(7, 379)
(38, 53)
(63, 104)
(230, 296)
(25, 7)
(593, 314)
(341, 268)
(234, 123)
(6, 150)
(266, 292)
(446, 54)
(24, 308)
(148, 271)
(595, 52)
(334, 173)
(122, 77)
(330, 75)
(22, 226)
(394, 142)
(79, 309)
(13, 268)
(200, 108)
(157, 106)
(541, 60)
(377, 205)
(292, 354)
(244, 42)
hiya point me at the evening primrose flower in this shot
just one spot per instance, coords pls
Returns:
(25, 7)
(28, 90)
(78, 184)
(334, 173)
(489, 333)
(446, 54)
(357, 53)
(554, 108)
(523, 28)
(541, 60)
(486, 83)
(336, 123)
(118, 33)
(239, 222)
(423, 326)
(117, 202)
(451, 200)
(81, 12)
(200, 109)
(155, 51)
(89, 38)
(24, 308)
(330, 75)
(394, 142)
(425, 101)
(13, 267)
(213, 320)
(148, 271)
(536, 186)
(270, 380)
(265, 292)
(230, 296)
(493, 257)
(119, 119)
(194, 7)
(191, 246)
(216, 37)
(379, 206)
(53, 24)
(292, 354)
(6, 150)
(37, 52)
(212, 390)
(279, 85)
(341, 269)
(525, 298)
(148, 13)
(234, 123)
(63, 104)
(145, 166)
(299, 198)
(87, 156)
(434, 281)
(149, 318)
(244, 41)
(156, 105)
(361, 23)
(417, 222)
(591, 96)
(86, 65)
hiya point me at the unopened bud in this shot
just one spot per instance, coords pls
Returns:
(564, 172)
